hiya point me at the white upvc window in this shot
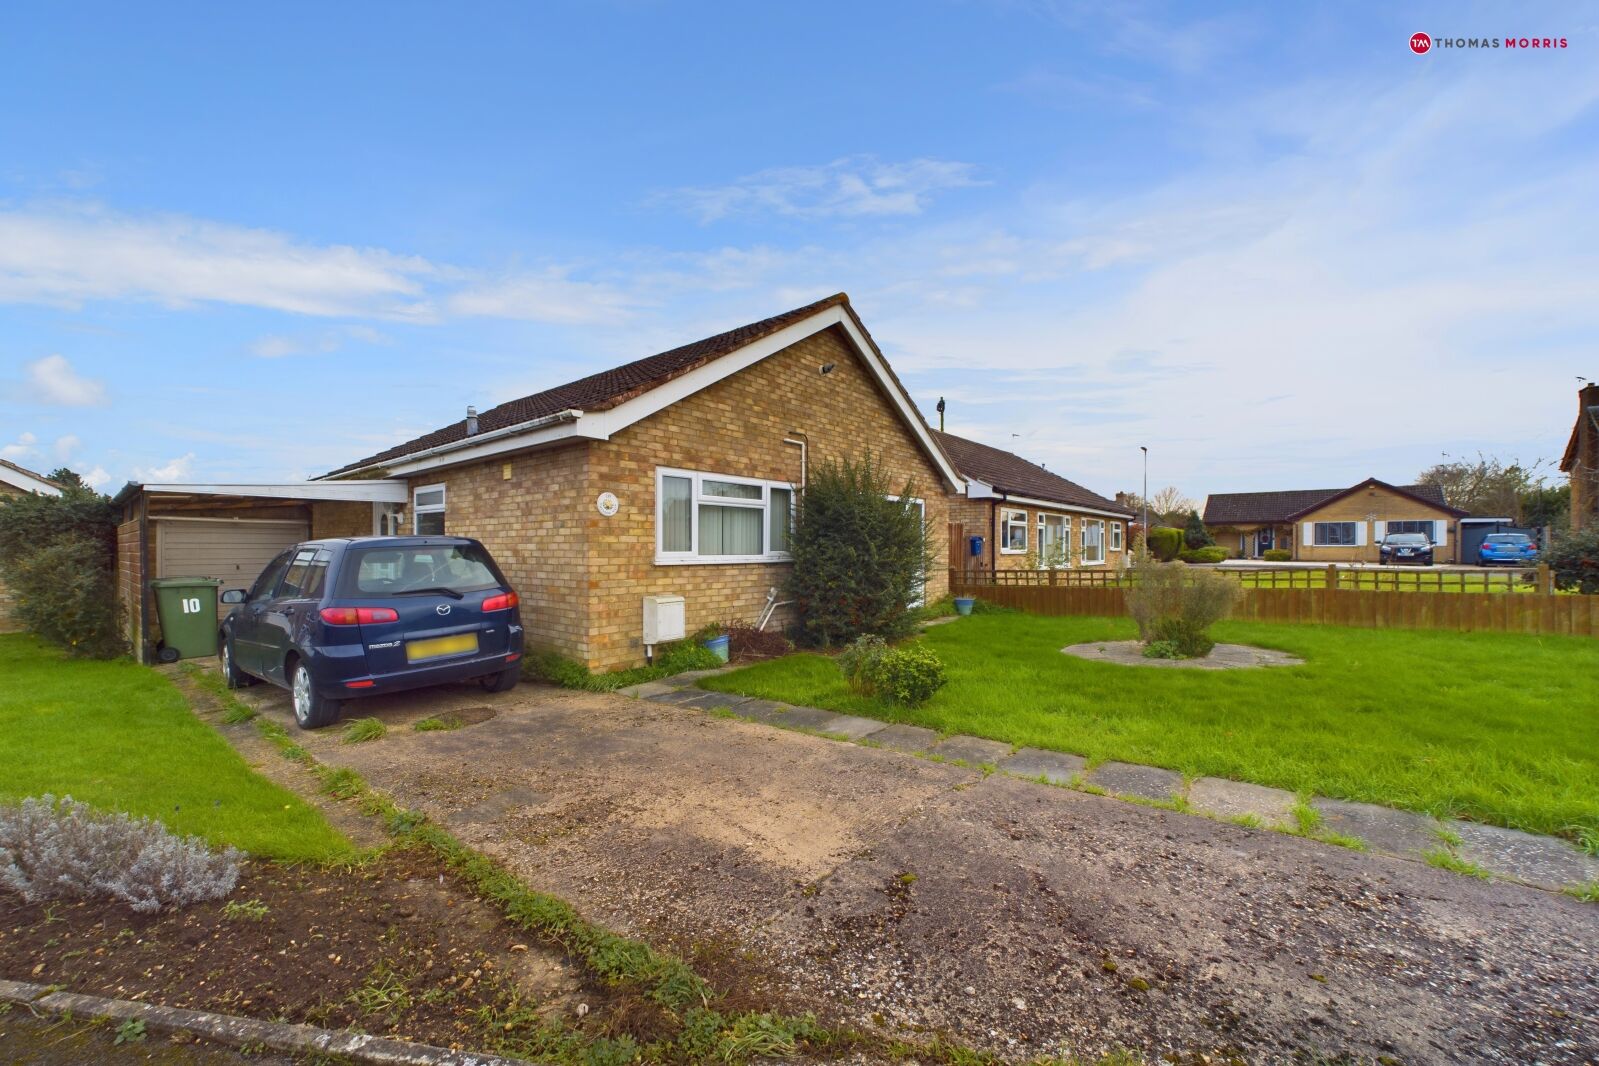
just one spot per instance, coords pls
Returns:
(719, 518)
(919, 597)
(1054, 541)
(1012, 532)
(1115, 536)
(427, 511)
(1093, 541)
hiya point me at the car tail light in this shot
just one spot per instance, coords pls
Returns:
(513, 657)
(368, 683)
(358, 616)
(503, 601)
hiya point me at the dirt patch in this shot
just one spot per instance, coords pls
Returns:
(394, 946)
(1221, 657)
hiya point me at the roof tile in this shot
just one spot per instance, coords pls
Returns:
(1010, 473)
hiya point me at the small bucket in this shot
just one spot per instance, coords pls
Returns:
(963, 605)
(718, 646)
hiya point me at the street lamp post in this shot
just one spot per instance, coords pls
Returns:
(1143, 529)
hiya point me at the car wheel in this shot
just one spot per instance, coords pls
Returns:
(232, 676)
(504, 681)
(311, 711)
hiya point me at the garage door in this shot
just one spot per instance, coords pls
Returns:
(236, 552)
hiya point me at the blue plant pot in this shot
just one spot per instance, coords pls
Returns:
(963, 605)
(718, 647)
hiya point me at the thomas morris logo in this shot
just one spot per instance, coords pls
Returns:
(1422, 43)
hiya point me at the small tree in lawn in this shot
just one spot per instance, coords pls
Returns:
(860, 558)
(1175, 606)
(1195, 535)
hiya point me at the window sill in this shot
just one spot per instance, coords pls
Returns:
(721, 560)
(1013, 551)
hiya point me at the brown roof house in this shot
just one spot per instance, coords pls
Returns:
(1332, 525)
(1027, 517)
(1581, 460)
(673, 476)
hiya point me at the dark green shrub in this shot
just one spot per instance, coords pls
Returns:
(1165, 542)
(674, 658)
(1186, 635)
(56, 556)
(1162, 649)
(1211, 554)
(1195, 535)
(859, 557)
(860, 662)
(1277, 555)
(1574, 560)
(910, 675)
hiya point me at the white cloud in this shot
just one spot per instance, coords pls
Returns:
(68, 256)
(549, 296)
(851, 187)
(278, 345)
(65, 447)
(97, 478)
(178, 469)
(53, 380)
(24, 446)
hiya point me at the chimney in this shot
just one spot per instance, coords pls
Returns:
(471, 421)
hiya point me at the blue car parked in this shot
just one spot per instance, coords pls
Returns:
(332, 620)
(1511, 549)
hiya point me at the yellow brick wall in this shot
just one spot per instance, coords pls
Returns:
(737, 427)
(529, 511)
(340, 518)
(1366, 506)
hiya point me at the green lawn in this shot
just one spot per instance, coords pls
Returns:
(120, 736)
(1497, 727)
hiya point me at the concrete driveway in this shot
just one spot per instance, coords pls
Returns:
(884, 890)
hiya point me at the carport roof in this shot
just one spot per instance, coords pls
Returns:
(375, 491)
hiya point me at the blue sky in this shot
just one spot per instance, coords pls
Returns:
(1266, 240)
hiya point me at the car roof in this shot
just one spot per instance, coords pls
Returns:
(388, 542)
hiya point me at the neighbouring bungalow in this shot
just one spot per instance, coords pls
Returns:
(1581, 460)
(19, 481)
(1333, 525)
(1013, 514)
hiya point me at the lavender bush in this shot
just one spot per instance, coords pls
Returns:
(51, 848)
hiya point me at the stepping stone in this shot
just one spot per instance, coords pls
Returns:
(676, 695)
(806, 718)
(648, 690)
(1145, 782)
(911, 738)
(713, 701)
(1239, 799)
(1056, 767)
(853, 726)
(768, 711)
(1539, 860)
(973, 751)
(1382, 828)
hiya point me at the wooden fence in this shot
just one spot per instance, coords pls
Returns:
(1525, 604)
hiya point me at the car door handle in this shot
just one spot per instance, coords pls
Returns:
(288, 610)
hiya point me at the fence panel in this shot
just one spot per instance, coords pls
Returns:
(1515, 605)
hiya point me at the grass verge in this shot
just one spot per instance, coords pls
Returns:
(1494, 727)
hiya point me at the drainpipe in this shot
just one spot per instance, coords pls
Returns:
(804, 454)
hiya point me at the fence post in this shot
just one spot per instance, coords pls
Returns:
(1546, 580)
(1329, 595)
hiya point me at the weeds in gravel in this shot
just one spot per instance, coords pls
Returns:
(249, 910)
(362, 730)
(1588, 893)
(1448, 860)
(236, 712)
(130, 1031)
(437, 723)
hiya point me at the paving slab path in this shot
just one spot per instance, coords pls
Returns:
(884, 890)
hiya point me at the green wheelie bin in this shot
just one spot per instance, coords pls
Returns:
(187, 607)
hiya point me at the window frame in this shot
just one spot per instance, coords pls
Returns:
(1065, 521)
(440, 508)
(697, 497)
(1114, 529)
(1316, 540)
(1431, 532)
(1104, 552)
(1007, 516)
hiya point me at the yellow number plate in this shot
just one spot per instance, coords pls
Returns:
(417, 650)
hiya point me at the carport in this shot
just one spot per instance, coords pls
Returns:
(230, 532)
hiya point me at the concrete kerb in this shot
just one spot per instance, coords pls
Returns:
(245, 1032)
(1527, 858)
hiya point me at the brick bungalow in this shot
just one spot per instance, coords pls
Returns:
(1581, 460)
(1333, 525)
(19, 481)
(1027, 516)
(675, 474)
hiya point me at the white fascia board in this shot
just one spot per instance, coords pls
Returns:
(601, 425)
(979, 490)
(1076, 508)
(324, 491)
(27, 482)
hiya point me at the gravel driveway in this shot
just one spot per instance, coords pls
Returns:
(884, 890)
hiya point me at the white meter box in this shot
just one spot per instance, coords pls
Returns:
(663, 619)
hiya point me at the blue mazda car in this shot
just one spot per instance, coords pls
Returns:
(1507, 549)
(332, 620)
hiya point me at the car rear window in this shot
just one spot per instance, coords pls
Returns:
(399, 571)
(1508, 538)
